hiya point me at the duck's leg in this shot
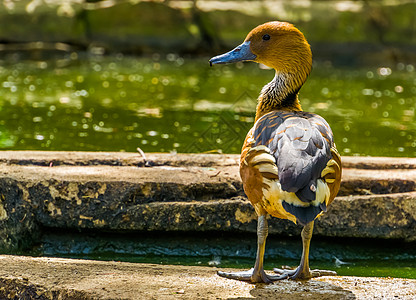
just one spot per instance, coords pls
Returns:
(257, 273)
(303, 272)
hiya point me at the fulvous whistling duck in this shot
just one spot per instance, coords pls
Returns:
(289, 165)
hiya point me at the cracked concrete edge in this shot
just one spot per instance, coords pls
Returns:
(46, 158)
(56, 158)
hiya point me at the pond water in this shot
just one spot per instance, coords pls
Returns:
(346, 257)
(169, 103)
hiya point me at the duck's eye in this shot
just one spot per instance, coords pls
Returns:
(266, 37)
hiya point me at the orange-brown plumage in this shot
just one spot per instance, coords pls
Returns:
(289, 165)
(288, 52)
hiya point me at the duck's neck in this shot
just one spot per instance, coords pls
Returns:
(279, 94)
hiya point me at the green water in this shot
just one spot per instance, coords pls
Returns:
(346, 257)
(170, 103)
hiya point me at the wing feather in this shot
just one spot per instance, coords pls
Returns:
(290, 166)
(301, 142)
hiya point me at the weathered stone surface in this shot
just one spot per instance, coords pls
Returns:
(18, 228)
(56, 278)
(371, 216)
(184, 192)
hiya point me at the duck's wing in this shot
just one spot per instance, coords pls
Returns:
(306, 160)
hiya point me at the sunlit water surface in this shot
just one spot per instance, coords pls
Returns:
(170, 103)
(346, 257)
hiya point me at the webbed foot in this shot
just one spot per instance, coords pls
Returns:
(303, 274)
(251, 275)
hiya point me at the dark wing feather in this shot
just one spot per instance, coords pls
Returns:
(301, 143)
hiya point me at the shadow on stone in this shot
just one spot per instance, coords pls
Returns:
(313, 290)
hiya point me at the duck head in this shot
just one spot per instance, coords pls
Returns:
(278, 45)
(281, 46)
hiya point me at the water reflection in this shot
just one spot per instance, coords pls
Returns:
(170, 103)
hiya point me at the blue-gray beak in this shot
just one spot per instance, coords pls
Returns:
(239, 53)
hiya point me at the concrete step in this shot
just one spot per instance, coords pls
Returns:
(184, 192)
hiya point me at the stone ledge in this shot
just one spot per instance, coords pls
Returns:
(57, 278)
(184, 192)
(45, 158)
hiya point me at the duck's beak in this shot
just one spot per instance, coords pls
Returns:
(239, 53)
